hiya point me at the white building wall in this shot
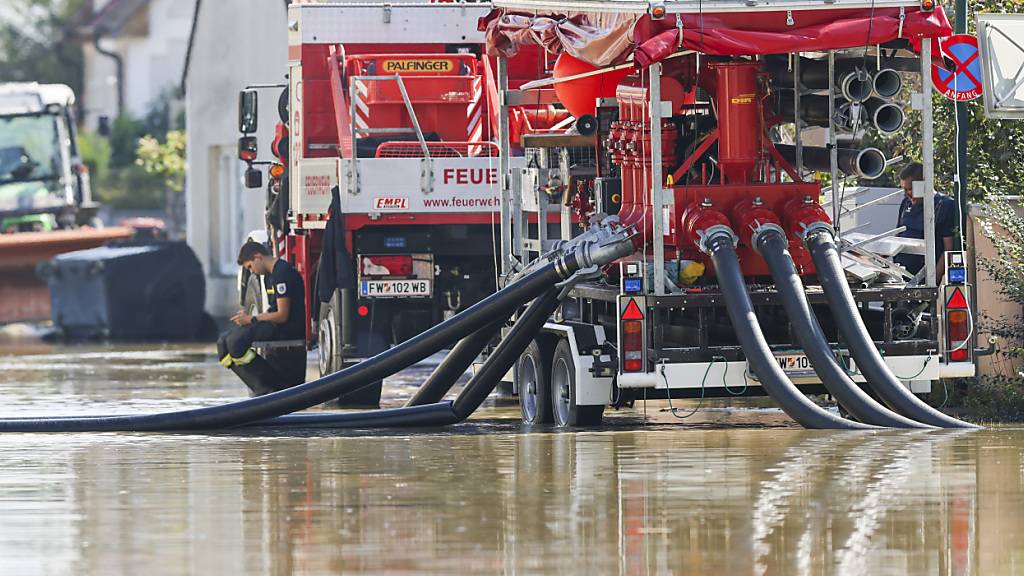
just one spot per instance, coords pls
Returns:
(237, 42)
(152, 64)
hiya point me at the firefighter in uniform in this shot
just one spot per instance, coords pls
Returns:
(912, 216)
(285, 319)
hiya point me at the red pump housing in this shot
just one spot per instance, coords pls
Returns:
(744, 186)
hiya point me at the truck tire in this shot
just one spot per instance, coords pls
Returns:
(563, 391)
(532, 376)
(329, 358)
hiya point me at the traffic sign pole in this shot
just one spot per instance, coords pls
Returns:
(962, 167)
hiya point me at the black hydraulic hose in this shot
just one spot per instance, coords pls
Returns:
(454, 365)
(772, 246)
(505, 354)
(472, 396)
(851, 326)
(439, 414)
(720, 244)
(331, 386)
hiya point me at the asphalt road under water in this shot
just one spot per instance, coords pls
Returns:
(730, 491)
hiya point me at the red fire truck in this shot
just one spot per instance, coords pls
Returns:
(389, 110)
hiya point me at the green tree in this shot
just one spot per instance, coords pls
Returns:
(995, 148)
(166, 160)
(33, 47)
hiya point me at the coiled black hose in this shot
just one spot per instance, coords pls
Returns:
(721, 246)
(862, 347)
(324, 389)
(772, 246)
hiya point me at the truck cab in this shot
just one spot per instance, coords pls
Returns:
(43, 183)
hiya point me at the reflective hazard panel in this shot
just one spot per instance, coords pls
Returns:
(632, 311)
(956, 299)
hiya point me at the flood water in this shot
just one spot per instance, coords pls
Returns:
(732, 492)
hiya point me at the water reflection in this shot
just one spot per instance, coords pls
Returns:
(488, 497)
(628, 502)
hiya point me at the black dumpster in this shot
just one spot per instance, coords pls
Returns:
(153, 291)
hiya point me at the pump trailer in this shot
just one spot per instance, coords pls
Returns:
(709, 127)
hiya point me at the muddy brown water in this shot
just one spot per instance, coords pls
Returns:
(734, 491)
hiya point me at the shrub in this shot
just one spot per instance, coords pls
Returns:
(1002, 396)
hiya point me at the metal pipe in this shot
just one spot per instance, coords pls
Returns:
(657, 178)
(928, 159)
(773, 247)
(886, 116)
(721, 246)
(867, 163)
(887, 83)
(118, 71)
(833, 280)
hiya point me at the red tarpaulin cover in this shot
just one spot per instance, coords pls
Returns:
(602, 40)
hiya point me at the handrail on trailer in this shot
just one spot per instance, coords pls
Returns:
(427, 179)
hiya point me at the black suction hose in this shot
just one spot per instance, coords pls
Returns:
(454, 365)
(439, 414)
(851, 326)
(505, 354)
(720, 245)
(472, 396)
(772, 246)
(331, 386)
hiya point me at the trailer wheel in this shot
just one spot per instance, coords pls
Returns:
(563, 391)
(532, 377)
(329, 336)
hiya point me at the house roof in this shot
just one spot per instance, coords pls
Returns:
(110, 20)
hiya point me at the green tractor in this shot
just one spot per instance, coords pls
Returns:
(44, 185)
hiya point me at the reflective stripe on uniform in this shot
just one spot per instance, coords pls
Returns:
(246, 358)
(226, 361)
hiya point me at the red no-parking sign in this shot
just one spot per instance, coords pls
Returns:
(963, 81)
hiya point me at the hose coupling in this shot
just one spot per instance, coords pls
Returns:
(713, 233)
(807, 230)
(763, 229)
(602, 244)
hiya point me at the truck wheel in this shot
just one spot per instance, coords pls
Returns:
(532, 378)
(329, 336)
(563, 391)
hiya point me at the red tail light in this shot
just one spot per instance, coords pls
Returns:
(957, 325)
(632, 345)
(387, 265)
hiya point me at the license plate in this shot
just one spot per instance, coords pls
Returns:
(794, 363)
(394, 288)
